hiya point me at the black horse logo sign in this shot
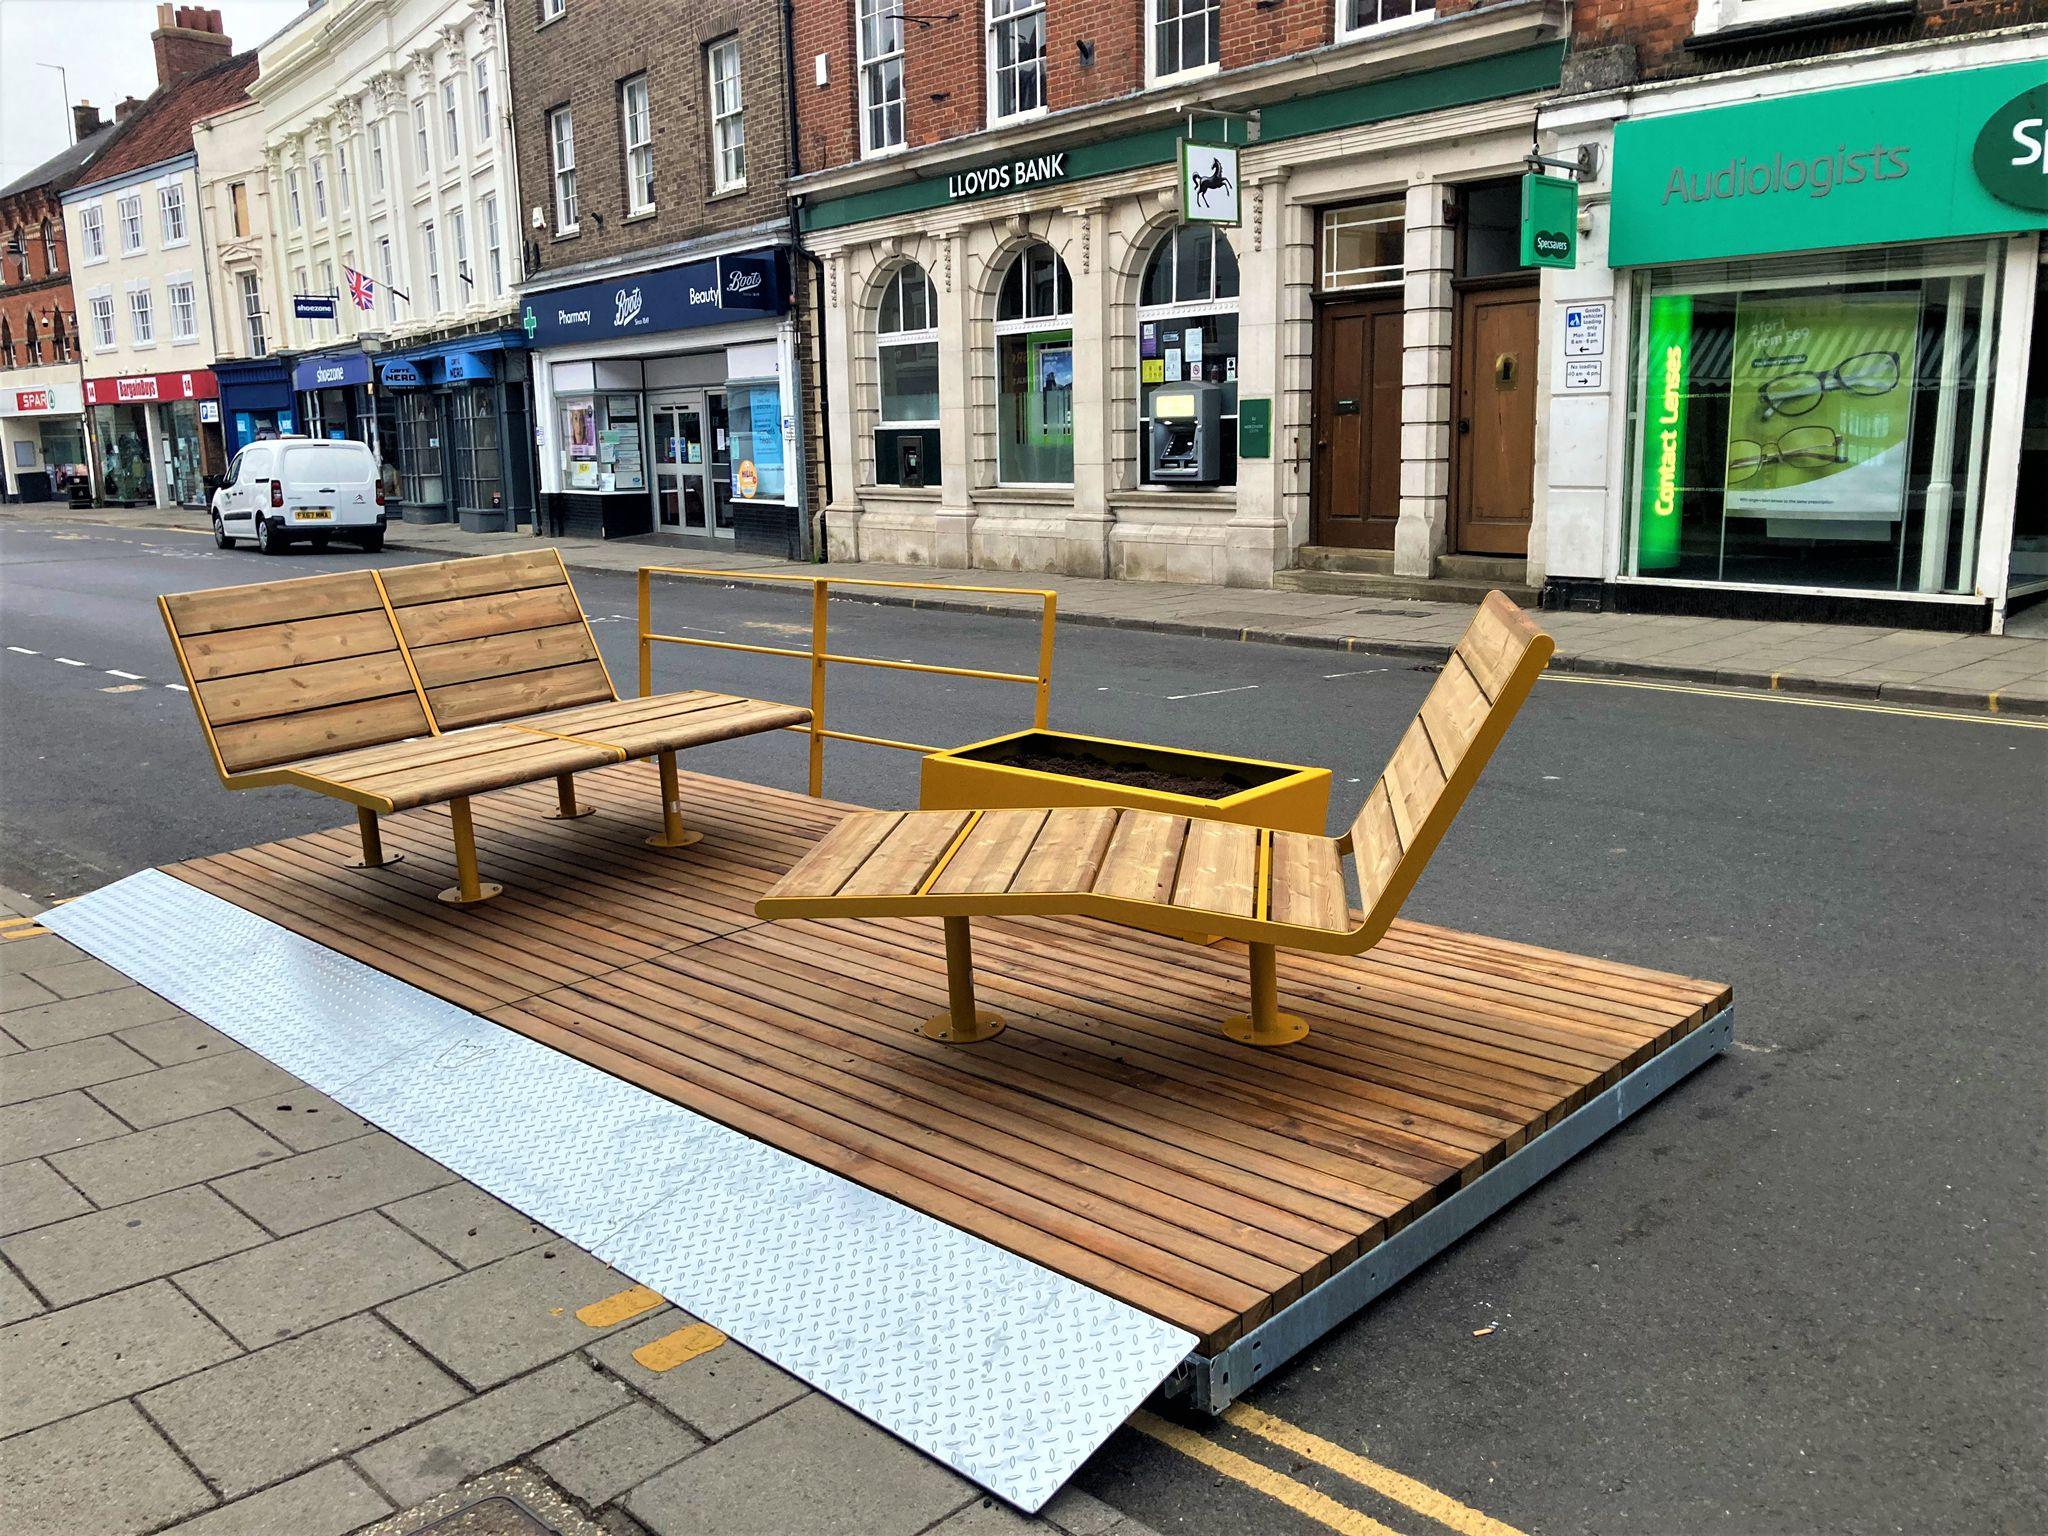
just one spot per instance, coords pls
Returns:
(1203, 180)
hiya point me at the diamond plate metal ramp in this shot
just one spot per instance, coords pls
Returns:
(857, 1295)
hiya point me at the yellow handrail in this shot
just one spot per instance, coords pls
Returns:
(822, 657)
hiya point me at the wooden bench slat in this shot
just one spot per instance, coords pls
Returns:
(273, 602)
(290, 643)
(1414, 779)
(1142, 857)
(255, 695)
(1375, 845)
(641, 727)
(407, 585)
(824, 870)
(502, 613)
(1219, 868)
(1307, 883)
(988, 860)
(1068, 852)
(501, 770)
(471, 752)
(1453, 711)
(506, 698)
(311, 732)
(904, 857)
(487, 656)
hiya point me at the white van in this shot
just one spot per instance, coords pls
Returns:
(285, 489)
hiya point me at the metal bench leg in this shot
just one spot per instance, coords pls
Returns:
(566, 808)
(962, 1023)
(374, 856)
(673, 834)
(468, 890)
(1265, 1024)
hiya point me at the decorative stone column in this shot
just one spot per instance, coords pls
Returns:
(953, 518)
(842, 517)
(1423, 530)
(1085, 543)
(1257, 540)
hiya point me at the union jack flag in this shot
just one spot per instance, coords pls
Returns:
(361, 289)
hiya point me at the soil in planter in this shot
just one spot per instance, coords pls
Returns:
(1127, 775)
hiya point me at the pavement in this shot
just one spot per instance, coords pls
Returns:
(229, 1305)
(1917, 667)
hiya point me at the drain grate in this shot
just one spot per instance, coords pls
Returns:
(514, 1502)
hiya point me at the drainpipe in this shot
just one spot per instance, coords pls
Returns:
(793, 164)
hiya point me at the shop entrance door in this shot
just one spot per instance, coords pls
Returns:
(1356, 485)
(678, 465)
(1493, 444)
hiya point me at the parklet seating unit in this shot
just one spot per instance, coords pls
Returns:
(1150, 869)
(429, 684)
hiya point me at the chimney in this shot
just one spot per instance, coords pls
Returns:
(187, 41)
(85, 121)
(126, 108)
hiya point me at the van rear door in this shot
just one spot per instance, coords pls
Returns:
(328, 484)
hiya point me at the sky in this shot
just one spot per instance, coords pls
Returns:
(103, 47)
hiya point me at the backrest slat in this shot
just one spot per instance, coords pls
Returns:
(289, 669)
(496, 637)
(1441, 754)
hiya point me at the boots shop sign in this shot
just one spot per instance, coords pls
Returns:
(716, 291)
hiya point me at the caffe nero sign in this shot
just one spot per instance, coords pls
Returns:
(696, 293)
(1914, 159)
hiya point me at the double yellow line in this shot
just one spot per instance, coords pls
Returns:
(1313, 1503)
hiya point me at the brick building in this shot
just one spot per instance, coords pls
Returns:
(1799, 369)
(660, 287)
(42, 403)
(994, 193)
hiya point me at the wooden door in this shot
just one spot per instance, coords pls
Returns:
(1355, 488)
(1493, 439)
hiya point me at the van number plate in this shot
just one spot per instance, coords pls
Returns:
(313, 515)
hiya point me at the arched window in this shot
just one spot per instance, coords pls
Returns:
(1187, 330)
(33, 340)
(907, 352)
(60, 337)
(49, 250)
(1035, 370)
(6, 344)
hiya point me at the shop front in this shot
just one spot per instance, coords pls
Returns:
(256, 401)
(1825, 338)
(42, 434)
(460, 427)
(666, 403)
(156, 437)
(336, 398)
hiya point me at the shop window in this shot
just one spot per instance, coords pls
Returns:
(1016, 58)
(600, 443)
(907, 354)
(636, 136)
(1490, 230)
(880, 29)
(1035, 370)
(1186, 37)
(728, 116)
(754, 422)
(1187, 328)
(1814, 422)
(1361, 246)
(421, 464)
(479, 457)
(2028, 569)
(1355, 16)
(562, 149)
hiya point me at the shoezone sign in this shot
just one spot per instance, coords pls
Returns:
(1208, 183)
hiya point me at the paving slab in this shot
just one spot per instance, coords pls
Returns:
(508, 1317)
(77, 1018)
(17, 1301)
(80, 1357)
(172, 1093)
(112, 1249)
(298, 1283)
(20, 956)
(488, 1431)
(328, 1501)
(37, 1074)
(316, 1187)
(988, 1517)
(468, 1225)
(253, 1421)
(8, 1044)
(715, 1393)
(170, 1041)
(303, 1118)
(104, 1473)
(1082, 1514)
(79, 977)
(32, 1194)
(24, 992)
(50, 1125)
(166, 1157)
(602, 1460)
(813, 1467)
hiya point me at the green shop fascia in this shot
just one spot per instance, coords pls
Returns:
(1816, 339)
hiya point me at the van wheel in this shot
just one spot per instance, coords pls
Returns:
(220, 534)
(268, 542)
(373, 542)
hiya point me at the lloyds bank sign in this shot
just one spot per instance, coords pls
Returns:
(1963, 152)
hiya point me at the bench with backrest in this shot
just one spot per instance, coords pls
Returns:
(1154, 870)
(428, 684)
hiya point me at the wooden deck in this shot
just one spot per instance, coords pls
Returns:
(1111, 1133)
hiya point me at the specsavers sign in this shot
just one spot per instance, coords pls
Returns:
(1963, 152)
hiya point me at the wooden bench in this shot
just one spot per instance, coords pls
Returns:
(428, 684)
(1175, 874)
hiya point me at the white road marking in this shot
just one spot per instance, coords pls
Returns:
(66, 661)
(133, 677)
(177, 687)
(22, 650)
(1362, 672)
(1210, 693)
(123, 688)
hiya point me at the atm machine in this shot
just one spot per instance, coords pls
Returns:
(1186, 445)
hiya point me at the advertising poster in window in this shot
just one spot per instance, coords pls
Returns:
(579, 439)
(756, 415)
(1820, 413)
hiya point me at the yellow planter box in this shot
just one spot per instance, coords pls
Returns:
(991, 775)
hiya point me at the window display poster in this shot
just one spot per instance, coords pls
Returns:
(1148, 339)
(1173, 365)
(1151, 370)
(579, 429)
(758, 471)
(1191, 350)
(622, 413)
(1820, 411)
(1667, 366)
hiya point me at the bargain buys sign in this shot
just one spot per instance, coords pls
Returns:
(1961, 152)
(199, 384)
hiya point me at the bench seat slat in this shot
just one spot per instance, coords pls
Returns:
(903, 859)
(516, 697)
(273, 602)
(1219, 869)
(1068, 852)
(1307, 883)
(317, 685)
(408, 585)
(1143, 857)
(641, 727)
(989, 857)
(284, 739)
